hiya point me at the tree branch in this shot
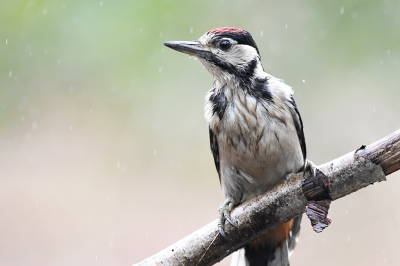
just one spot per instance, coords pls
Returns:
(296, 195)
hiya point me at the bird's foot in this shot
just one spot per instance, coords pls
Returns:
(225, 214)
(309, 165)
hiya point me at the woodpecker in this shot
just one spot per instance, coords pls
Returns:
(256, 133)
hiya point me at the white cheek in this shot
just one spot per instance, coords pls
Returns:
(239, 55)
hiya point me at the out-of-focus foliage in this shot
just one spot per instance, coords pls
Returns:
(104, 155)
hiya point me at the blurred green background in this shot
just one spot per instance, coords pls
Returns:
(104, 152)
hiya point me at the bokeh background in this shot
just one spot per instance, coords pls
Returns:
(104, 151)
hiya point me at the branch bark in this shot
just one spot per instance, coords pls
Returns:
(335, 179)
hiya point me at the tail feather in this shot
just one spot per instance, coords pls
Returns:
(239, 258)
(272, 249)
(294, 234)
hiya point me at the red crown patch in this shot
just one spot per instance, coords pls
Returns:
(226, 29)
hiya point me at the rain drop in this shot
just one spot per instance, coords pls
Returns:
(44, 12)
(342, 10)
(101, 3)
(286, 26)
(6, 41)
(155, 152)
(261, 33)
(10, 73)
(191, 30)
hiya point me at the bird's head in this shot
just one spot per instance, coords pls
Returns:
(225, 53)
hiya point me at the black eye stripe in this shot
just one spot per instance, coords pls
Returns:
(240, 38)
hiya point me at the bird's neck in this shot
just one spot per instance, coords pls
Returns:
(226, 81)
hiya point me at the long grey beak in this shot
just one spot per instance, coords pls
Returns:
(191, 48)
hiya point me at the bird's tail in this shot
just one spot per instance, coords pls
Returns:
(272, 249)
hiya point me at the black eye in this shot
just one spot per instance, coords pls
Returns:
(224, 45)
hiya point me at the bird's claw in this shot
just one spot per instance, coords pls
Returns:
(224, 214)
(309, 165)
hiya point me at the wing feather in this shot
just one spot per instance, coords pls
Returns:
(215, 151)
(298, 123)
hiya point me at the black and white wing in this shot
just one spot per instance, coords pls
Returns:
(215, 151)
(298, 123)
